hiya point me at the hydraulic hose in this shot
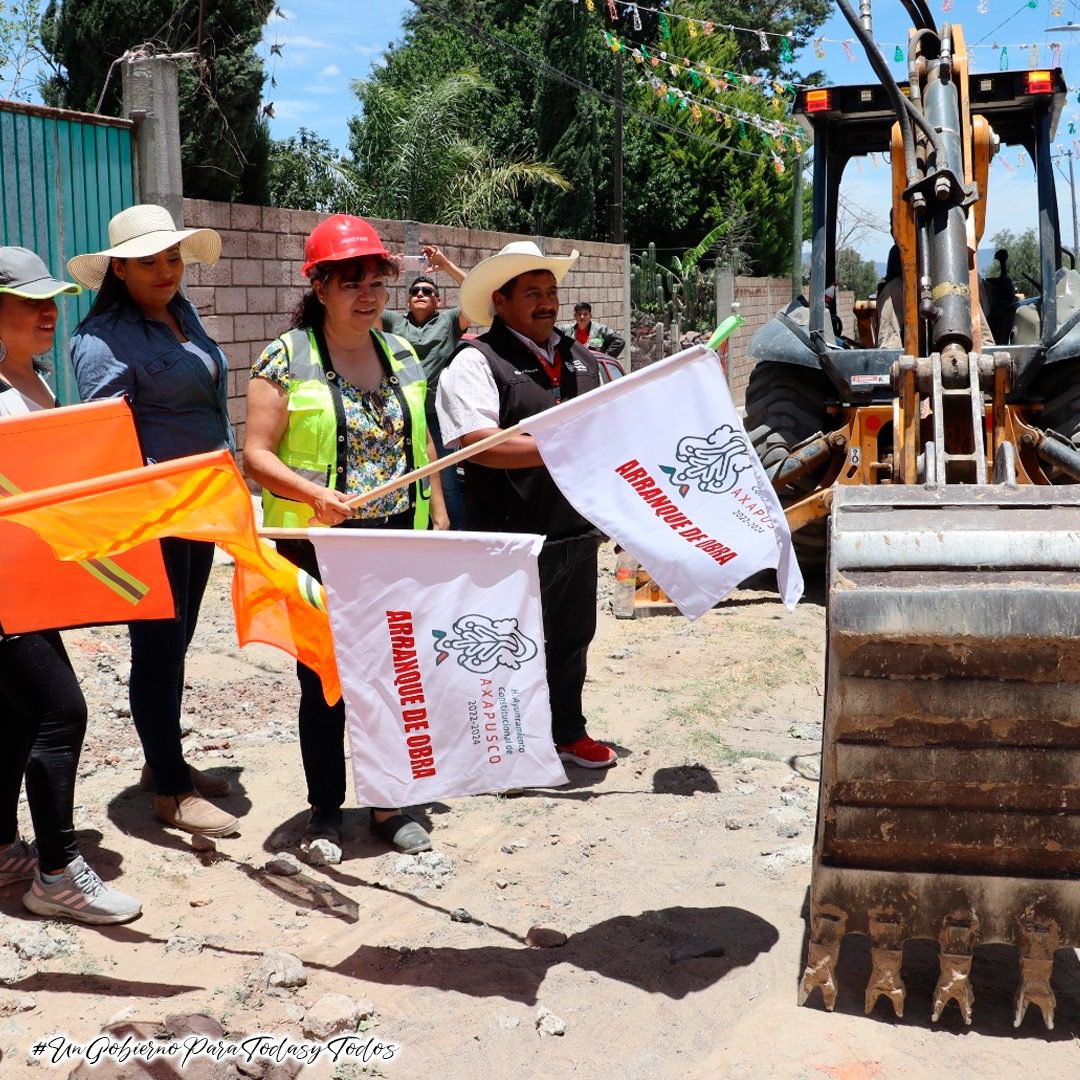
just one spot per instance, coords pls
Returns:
(920, 15)
(905, 110)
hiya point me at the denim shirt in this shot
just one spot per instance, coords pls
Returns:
(178, 408)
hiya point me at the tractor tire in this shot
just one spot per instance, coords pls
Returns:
(785, 404)
(1059, 388)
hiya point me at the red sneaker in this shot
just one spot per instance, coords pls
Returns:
(587, 753)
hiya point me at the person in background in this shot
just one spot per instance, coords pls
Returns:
(143, 339)
(42, 707)
(521, 367)
(593, 335)
(335, 408)
(434, 331)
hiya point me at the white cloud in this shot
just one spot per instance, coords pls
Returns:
(330, 71)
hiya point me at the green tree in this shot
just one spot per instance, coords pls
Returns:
(856, 273)
(1025, 266)
(224, 145)
(414, 159)
(18, 46)
(306, 173)
(673, 193)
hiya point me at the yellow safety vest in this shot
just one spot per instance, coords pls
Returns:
(315, 440)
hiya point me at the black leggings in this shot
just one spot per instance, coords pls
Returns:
(43, 714)
(322, 726)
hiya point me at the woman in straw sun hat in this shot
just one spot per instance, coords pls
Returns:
(142, 338)
(41, 702)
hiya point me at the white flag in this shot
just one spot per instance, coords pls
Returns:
(660, 462)
(440, 647)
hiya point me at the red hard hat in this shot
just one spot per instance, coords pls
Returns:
(341, 237)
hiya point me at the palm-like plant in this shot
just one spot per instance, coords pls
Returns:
(413, 159)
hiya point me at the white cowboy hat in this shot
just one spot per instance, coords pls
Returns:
(517, 257)
(144, 230)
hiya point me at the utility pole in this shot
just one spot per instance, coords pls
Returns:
(617, 231)
(796, 229)
(1072, 190)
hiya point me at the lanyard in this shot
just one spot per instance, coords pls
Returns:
(553, 372)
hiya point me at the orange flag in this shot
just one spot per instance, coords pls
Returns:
(201, 498)
(38, 592)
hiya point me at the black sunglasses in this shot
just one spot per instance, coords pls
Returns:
(422, 290)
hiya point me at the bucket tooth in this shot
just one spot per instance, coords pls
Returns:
(887, 935)
(885, 979)
(826, 932)
(959, 932)
(1038, 943)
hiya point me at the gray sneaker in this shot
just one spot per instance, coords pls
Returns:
(18, 862)
(81, 895)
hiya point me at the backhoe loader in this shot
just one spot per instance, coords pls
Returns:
(937, 481)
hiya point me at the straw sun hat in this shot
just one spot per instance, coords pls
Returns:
(517, 257)
(144, 230)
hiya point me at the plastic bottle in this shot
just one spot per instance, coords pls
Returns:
(622, 603)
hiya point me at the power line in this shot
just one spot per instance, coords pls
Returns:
(561, 76)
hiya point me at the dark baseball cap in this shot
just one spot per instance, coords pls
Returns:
(22, 273)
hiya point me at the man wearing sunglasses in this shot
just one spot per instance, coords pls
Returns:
(434, 332)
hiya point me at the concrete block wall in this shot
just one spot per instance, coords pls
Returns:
(247, 299)
(759, 300)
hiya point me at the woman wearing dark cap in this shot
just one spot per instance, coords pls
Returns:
(41, 705)
(336, 407)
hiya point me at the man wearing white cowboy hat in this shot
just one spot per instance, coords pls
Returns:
(522, 366)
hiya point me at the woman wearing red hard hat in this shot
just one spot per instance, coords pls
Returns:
(336, 407)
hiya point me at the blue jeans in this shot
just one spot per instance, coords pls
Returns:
(451, 482)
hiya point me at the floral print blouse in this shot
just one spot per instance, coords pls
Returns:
(375, 451)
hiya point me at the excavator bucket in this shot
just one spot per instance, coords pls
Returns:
(950, 786)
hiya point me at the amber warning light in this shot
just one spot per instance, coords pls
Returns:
(1040, 82)
(818, 100)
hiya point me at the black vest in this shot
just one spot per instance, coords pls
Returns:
(525, 500)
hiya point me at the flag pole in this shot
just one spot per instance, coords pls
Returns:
(724, 331)
(403, 481)
(719, 336)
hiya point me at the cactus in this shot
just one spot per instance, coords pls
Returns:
(682, 293)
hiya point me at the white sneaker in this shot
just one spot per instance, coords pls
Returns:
(81, 895)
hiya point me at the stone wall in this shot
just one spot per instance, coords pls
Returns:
(247, 298)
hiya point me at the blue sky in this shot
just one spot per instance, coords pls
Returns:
(326, 44)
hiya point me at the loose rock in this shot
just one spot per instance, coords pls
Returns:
(543, 937)
(281, 969)
(335, 1014)
(283, 865)
(547, 1023)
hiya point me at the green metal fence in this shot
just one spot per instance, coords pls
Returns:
(62, 176)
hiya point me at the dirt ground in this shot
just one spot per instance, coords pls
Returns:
(680, 878)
